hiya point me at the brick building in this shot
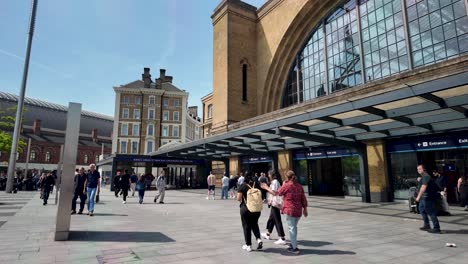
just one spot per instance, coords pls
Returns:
(352, 95)
(45, 124)
(149, 115)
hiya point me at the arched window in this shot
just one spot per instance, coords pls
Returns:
(85, 159)
(32, 155)
(96, 159)
(47, 156)
(366, 40)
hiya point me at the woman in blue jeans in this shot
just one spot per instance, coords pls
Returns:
(140, 186)
(93, 185)
(294, 205)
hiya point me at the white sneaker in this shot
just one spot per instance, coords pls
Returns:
(246, 248)
(280, 242)
(265, 236)
(124, 202)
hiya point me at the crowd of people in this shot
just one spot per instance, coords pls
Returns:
(123, 183)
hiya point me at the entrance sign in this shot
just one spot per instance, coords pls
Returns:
(324, 153)
(429, 143)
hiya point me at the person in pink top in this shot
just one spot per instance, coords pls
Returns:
(211, 180)
(294, 205)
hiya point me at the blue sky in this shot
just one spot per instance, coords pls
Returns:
(81, 49)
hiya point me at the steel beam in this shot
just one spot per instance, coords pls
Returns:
(324, 140)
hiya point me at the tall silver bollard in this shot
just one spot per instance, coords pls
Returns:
(62, 227)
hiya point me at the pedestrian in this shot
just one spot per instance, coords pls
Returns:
(40, 184)
(125, 185)
(249, 219)
(263, 179)
(294, 205)
(442, 204)
(79, 191)
(427, 198)
(133, 180)
(141, 186)
(224, 187)
(93, 186)
(462, 187)
(240, 180)
(117, 184)
(211, 180)
(275, 203)
(232, 187)
(47, 184)
(161, 187)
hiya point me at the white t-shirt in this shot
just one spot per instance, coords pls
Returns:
(225, 181)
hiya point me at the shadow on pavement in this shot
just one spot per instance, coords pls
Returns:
(106, 214)
(309, 243)
(111, 236)
(307, 251)
(461, 231)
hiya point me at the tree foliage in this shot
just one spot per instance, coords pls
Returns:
(7, 124)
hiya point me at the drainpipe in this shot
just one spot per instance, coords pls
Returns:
(161, 118)
(141, 122)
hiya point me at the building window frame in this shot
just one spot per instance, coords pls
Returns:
(47, 156)
(244, 82)
(174, 115)
(149, 146)
(176, 102)
(137, 100)
(165, 115)
(123, 147)
(151, 113)
(136, 132)
(210, 111)
(85, 159)
(124, 130)
(33, 155)
(126, 100)
(136, 114)
(166, 102)
(135, 147)
(150, 130)
(165, 131)
(175, 131)
(152, 100)
(125, 113)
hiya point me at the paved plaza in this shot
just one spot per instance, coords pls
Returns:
(191, 229)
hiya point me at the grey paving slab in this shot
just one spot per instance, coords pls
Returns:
(190, 229)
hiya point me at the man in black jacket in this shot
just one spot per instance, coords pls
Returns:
(47, 185)
(79, 191)
(117, 184)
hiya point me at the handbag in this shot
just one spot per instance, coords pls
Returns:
(97, 198)
(277, 201)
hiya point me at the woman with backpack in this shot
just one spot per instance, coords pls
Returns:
(294, 205)
(275, 203)
(251, 204)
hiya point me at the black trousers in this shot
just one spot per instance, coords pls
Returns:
(275, 221)
(249, 224)
(82, 201)
(45, 194)
(125, 192)
(116, 191)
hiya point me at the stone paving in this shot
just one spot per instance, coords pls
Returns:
(191, 229)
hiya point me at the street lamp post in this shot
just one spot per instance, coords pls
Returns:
(19, 110)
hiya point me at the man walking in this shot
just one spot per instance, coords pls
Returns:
(93, 185)
(224, 187)
(47, 185)
(161, 186)
(211, 180)
(427, 197)
(79, 191)
(125, 185)
(133, 180)
(117, 184)
(441, 181)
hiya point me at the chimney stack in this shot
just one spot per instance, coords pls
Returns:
(162, 74)
(168, 79)
(37, 127)
(146, 77)
(94, 134)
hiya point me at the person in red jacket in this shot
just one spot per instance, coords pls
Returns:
(294, 205)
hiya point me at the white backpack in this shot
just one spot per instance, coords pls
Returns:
(254, 199)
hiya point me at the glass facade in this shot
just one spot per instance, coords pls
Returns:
(368, 40)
